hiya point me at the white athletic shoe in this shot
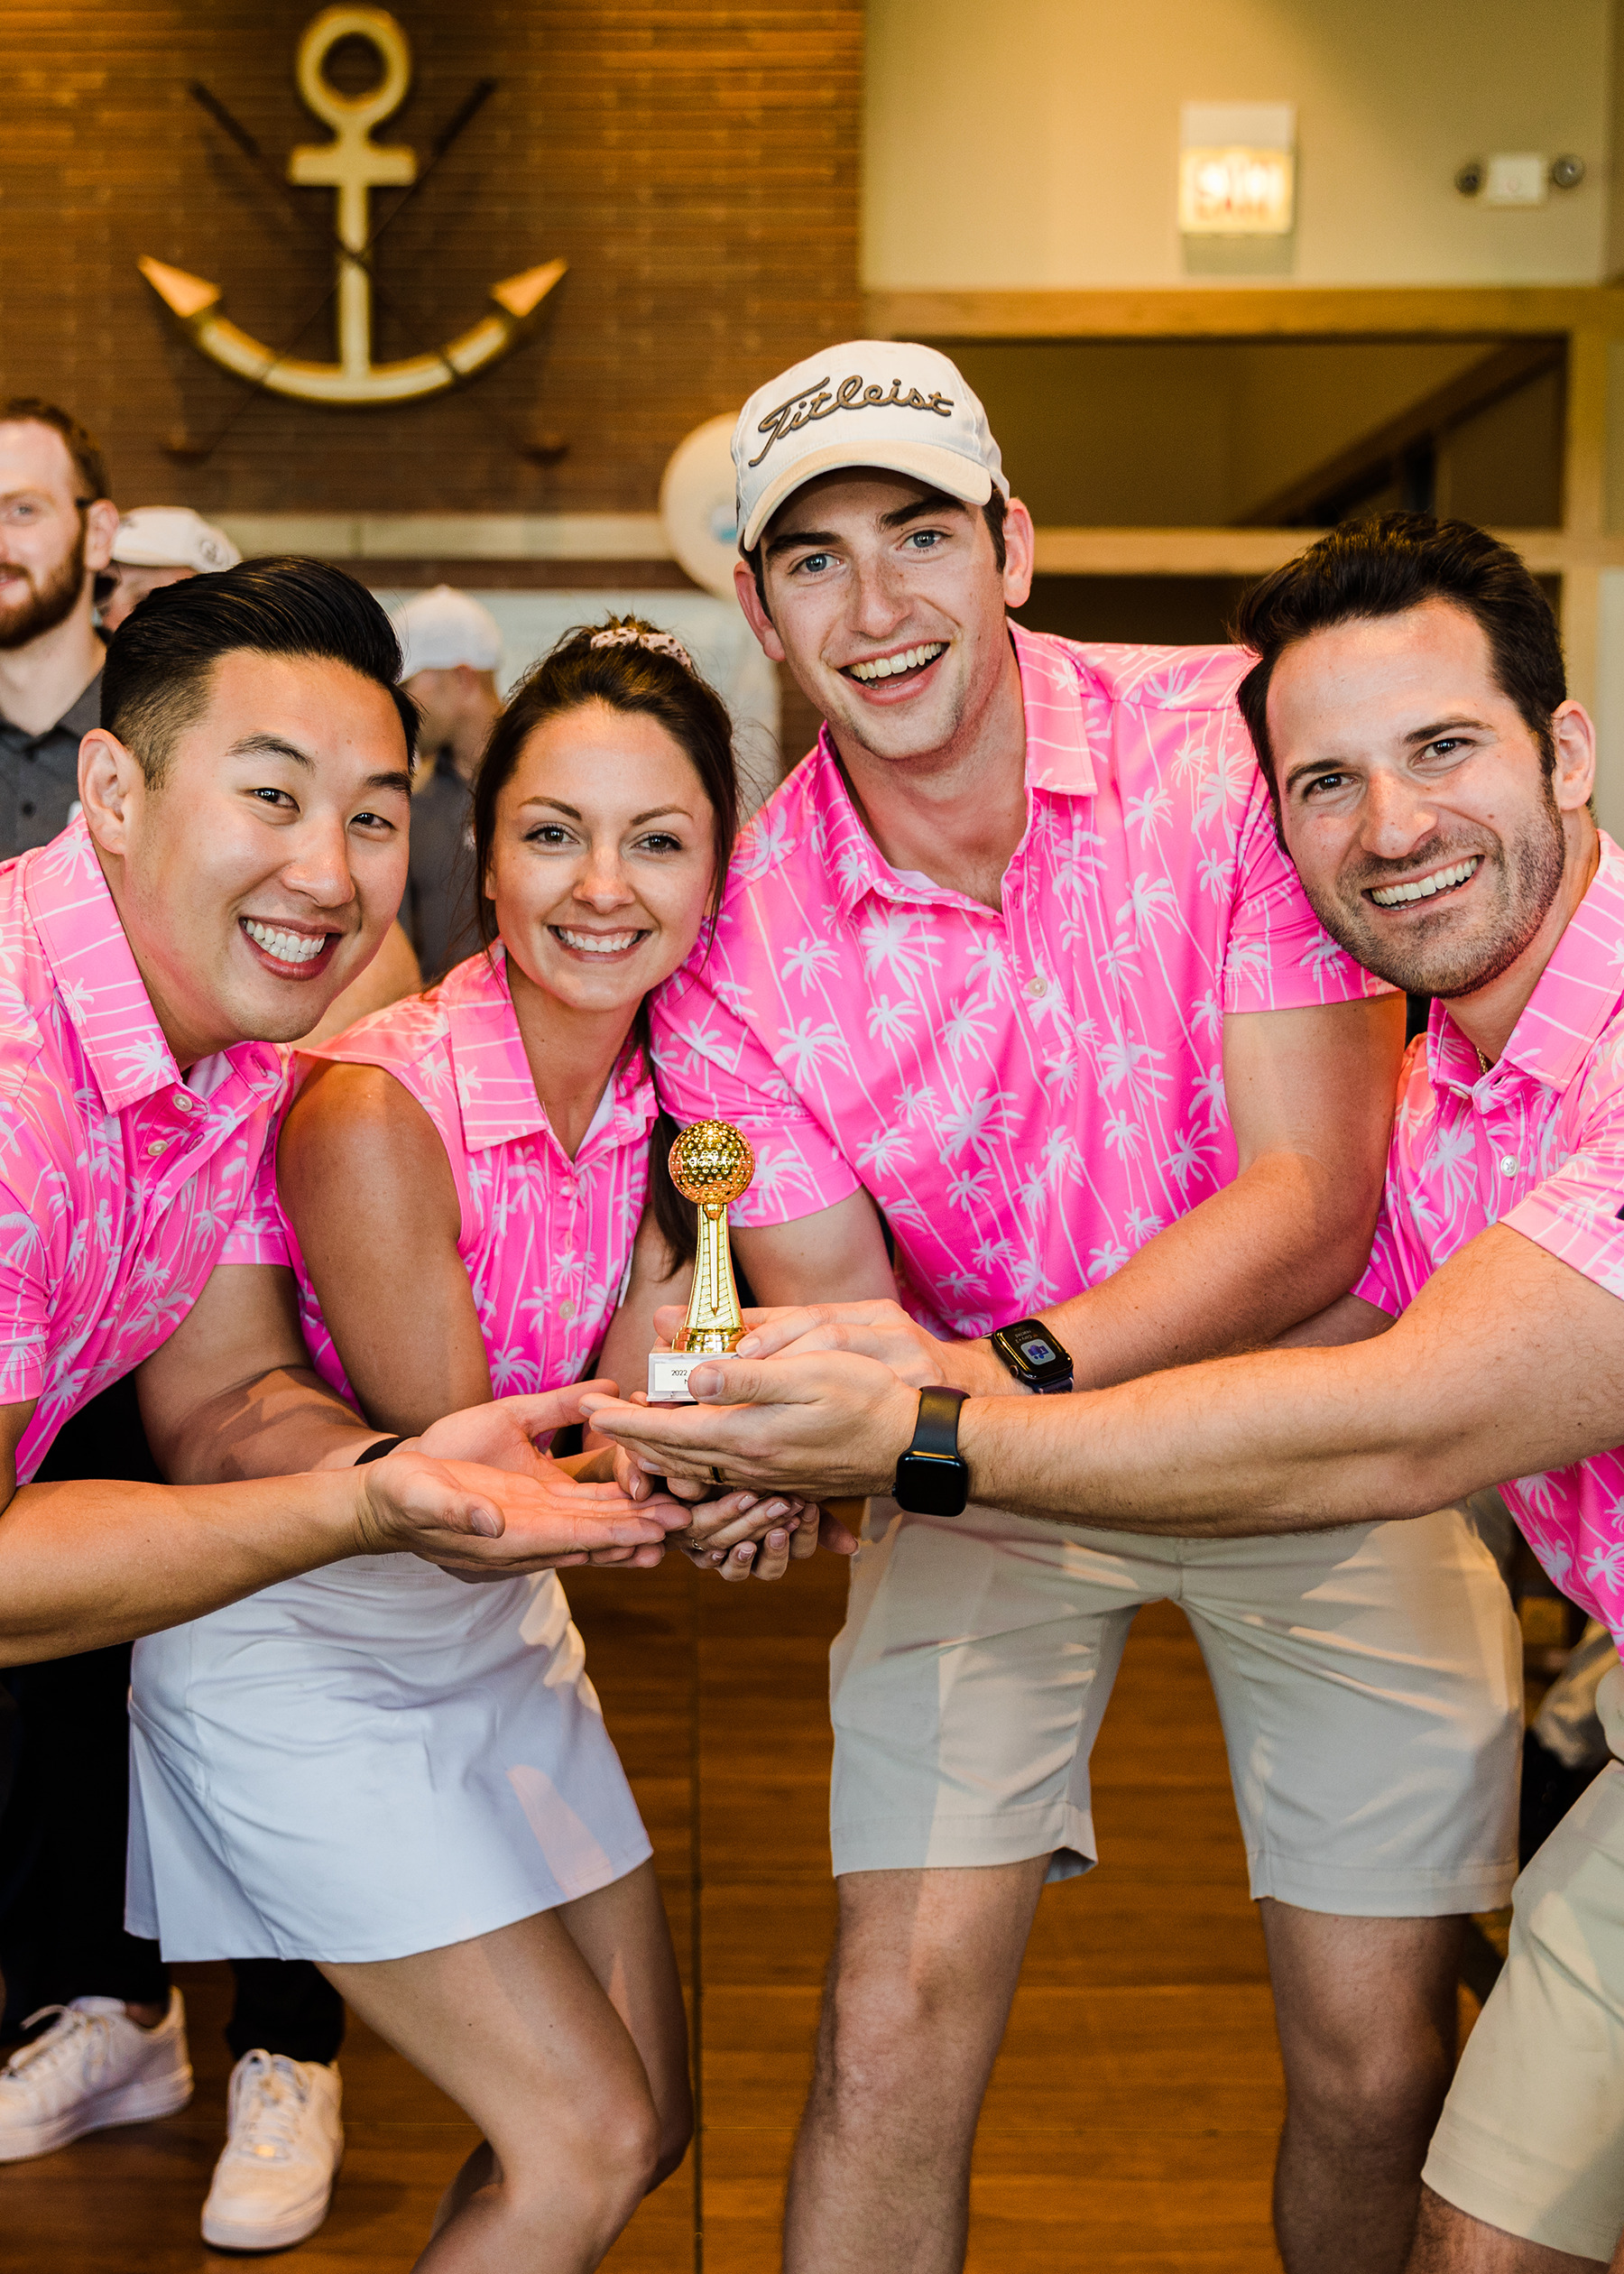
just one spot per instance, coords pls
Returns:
(284, 2144)
(93, 2067)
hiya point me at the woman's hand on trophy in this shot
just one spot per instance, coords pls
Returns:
(830, 1423)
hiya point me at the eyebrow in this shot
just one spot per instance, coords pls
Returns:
(1418, 739)
(275, 747)
(557, 805)
(936, 504)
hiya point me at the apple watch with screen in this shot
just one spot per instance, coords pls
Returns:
(1034, 1356)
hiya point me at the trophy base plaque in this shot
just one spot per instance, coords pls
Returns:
(668, 1371)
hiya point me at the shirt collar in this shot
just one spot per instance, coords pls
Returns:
(83, 713)
(1057, 760)
(495, 1090)
(79, 717)
(1573, 999)
(95, 973)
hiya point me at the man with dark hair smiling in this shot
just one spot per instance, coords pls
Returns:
(240, 853)
(1432, 781)
(1016, 956)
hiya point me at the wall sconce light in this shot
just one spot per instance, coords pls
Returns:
(1237, 169)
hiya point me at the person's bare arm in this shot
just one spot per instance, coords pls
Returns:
(835, 1255)
(1508, 1363)
(1310, 1097)
(85, 1564)
(364, 1178)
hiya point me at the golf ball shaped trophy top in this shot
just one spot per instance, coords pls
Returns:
(711, 1164)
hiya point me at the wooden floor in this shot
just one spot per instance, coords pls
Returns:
(1131, 2119)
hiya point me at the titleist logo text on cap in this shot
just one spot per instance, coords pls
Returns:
(854, 394)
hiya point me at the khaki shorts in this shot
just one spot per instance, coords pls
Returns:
(1368, 1681)
(1531, 2140)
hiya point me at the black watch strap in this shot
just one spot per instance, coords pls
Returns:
(932, 1478)
(378, 1450)
(935, 1431)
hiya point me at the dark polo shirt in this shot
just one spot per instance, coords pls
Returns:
(437, 911)
(38, 774)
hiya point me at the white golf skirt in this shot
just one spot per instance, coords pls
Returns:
(372, 1760)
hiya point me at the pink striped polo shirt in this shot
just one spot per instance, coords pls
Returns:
(122, 1185)
(1537, 1142)
(1029, 1092)
(547, 1241)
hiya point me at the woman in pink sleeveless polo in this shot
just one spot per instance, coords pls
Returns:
(407, 1779)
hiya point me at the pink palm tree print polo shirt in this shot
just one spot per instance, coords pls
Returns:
(547, 1241)
(1030, 1092)
(122, 1185)
(1538, 1143)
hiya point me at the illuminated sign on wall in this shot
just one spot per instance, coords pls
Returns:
(1237, 169)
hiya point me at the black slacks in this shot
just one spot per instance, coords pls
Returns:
(65, 1822)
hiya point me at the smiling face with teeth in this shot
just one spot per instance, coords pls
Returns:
(600, 868)
(261, 873)
(888, 603)
(1415, 801)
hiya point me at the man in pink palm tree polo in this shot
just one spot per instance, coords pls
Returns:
(1013, 977)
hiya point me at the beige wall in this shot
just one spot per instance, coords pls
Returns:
(1035, 142)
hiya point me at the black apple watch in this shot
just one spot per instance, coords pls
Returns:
(1034, 1356)
(932, 1480)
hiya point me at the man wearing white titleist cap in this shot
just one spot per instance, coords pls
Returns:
(160, 545)
(453, 649)
(1016, 954)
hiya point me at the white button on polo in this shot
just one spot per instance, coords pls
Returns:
(1038, 984)
(1508, 1164)
(182, 1098)
(158, 1145)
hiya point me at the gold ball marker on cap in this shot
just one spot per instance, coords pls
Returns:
(711, 1164)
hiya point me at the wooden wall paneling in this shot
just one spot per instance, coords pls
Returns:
(694, 161)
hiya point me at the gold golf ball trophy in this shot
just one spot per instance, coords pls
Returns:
(711, 1164)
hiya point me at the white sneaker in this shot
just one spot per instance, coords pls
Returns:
(284, 2144)
(93, 2067)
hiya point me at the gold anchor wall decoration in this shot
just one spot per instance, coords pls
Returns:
(353, 165)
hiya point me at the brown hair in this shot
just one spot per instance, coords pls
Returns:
(89, 470)
(1383, 567)
(628, 676)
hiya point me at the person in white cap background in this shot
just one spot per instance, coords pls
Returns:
(1015, 957)
(159, 545)
(453, 649)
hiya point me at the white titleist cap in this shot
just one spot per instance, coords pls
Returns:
(884, 402)
(173, 537)
(441, 629)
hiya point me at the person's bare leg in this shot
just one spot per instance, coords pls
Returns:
(623, 1933)
(1450, 2242)
(1366, 2010)
(518, 2028)
(914, 2010)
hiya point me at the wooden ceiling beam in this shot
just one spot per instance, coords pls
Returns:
(1295, 311)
